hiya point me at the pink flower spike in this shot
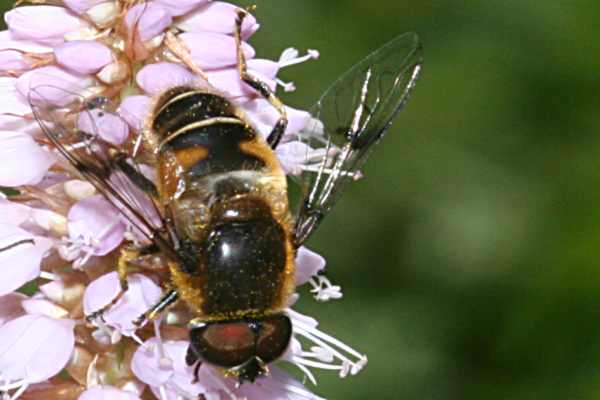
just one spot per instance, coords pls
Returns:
(105, 392)
(134, 110)
(170, 75)
(34, 348)
(213, 50)
(10, 307)
(308, 264)
(97, 55)
(46, 24)
(20, 257)
(218, 17)
(81, 6)
(110, 127)
(95, 226)
(52, 84)
(18, 149)
(150, 20)
(180, 7)
(142, 294)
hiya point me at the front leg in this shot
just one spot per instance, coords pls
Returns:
(168, 299)
(128, 254)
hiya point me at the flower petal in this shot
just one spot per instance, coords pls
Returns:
(155, 78)
(105, 392)
(12, 213)
(110, 127)
(219, 17)
(95, 222)
(170, 368)
(44, 307)
(264, 116)
(16, 150)
(47, 24)
(146, 367)
(150, 20)
(134, 110)
(35, 347)
(103, 15)
(180, 7)
(52, 84)
(81, 6)
(19, 260)
(308, 263)
(228, 81)
(97, 55)
(13, 103)
(213, 50)
(142, 294)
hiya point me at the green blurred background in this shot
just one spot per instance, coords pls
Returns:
(468, 254)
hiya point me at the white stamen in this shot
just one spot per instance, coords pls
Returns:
(276, 383)
(49, 276)
(19, 392)
(137, 145)
(307, 373)
(287, 86)
(323, 289)
(325, 353)
(290, 57)
(316, 364)
(163, 392)
(14, 385)
(139, 341)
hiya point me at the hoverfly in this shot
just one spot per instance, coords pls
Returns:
(224, 229)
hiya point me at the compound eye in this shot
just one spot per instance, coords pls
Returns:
(273, 338)
(226, 344)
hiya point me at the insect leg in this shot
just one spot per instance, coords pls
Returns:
(178, 48)
(128, 254)
(168, 299)
(260, 86)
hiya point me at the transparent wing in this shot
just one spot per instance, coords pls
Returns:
(349, 119)
(91, 136)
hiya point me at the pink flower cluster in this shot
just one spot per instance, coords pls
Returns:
(59, 233)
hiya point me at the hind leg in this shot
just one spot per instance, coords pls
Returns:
(260, 86)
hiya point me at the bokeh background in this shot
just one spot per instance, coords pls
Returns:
(469, 253)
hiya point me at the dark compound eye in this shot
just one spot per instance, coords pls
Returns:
(273, 337)
(226, 344)
(233, 344)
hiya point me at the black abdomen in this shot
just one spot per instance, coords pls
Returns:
(242, 266)
(188, 120)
